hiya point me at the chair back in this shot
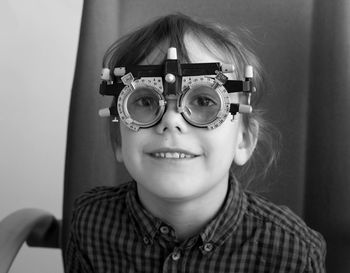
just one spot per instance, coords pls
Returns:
(90, 160)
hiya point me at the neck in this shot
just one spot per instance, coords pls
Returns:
(187, 217)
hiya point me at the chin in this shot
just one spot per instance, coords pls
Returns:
(177, 188)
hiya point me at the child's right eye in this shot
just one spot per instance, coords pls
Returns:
(145, 102)
(143, 98)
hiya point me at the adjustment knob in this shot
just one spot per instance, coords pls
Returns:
(170, 78)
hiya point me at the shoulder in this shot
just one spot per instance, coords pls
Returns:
(285, 223)
(102, 194)
(98, 212)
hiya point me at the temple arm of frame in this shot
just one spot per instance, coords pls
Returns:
(238, 86)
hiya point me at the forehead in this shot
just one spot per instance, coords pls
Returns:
(198, 51)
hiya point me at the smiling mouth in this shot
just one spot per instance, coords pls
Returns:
(172, 155)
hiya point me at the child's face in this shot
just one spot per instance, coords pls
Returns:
(177, 161)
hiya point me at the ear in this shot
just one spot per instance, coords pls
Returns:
(118, 153)
(247, 140)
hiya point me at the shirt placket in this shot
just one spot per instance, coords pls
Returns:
(173, 261)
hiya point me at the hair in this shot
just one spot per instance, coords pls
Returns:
(169, 31)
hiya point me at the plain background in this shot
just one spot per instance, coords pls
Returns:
(39, 40)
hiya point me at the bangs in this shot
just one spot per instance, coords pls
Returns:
(158, 36)
(158, 55)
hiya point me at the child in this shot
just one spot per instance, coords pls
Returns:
(186, 134)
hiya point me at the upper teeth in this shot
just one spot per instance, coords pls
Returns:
(172, 155)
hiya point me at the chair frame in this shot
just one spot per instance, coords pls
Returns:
(36, 227)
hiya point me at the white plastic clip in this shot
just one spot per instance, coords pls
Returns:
(248, 72)
(172, 53)
(227, 68)
(105, 74)
(119, 71)
(244, 108)
(105, 112)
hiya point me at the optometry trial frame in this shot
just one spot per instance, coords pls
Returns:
(203, 93)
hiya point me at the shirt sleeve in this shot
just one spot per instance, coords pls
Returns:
(74, 259)
(317, 258)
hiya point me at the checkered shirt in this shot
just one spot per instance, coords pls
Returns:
(112, 232)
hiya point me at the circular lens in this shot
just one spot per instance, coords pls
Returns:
(202, 105)
(143, 105)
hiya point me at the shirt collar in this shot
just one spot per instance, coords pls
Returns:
(144, 222)
(228, 218)
(216, 232)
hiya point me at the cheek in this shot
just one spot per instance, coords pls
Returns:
(131, 152)
(129, 141)
(230, 129)
(224, 139)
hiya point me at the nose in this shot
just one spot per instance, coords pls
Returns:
(172, 121)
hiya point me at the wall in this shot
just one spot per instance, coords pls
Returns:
(37, 57)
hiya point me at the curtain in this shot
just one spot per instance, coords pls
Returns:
(327, 198)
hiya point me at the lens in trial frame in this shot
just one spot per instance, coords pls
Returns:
(201, 105)
(143, 106)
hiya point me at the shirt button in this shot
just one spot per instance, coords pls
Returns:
(146, 240)
(164, 229)
(176, 255)
(208, 247)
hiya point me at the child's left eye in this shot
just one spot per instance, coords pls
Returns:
(203, 101)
